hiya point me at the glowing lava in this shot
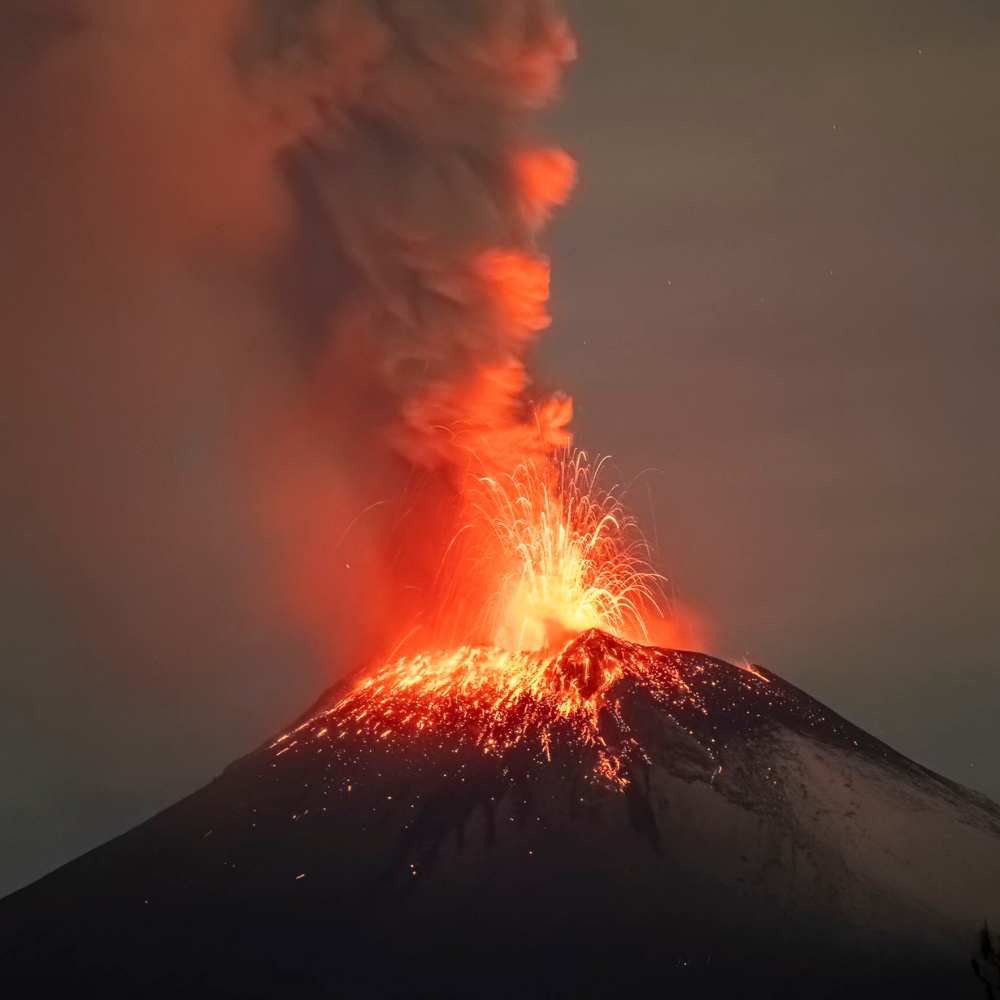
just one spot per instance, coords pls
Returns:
(570, 558)
(499, 700)
(572, 589)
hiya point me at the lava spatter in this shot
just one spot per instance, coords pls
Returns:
(499, 701)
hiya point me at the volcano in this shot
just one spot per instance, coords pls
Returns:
(609, 818)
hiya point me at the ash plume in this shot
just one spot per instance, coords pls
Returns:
(373, 164)
(409, 129)
(414, 123)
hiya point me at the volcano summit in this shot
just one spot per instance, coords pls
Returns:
(605, 818)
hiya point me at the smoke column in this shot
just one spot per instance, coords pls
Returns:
(411, 145)
(269, 287)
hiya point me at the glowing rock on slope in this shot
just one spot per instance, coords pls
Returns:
(499, 700)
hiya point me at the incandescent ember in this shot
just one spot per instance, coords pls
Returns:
(499, 701)
(572, 595)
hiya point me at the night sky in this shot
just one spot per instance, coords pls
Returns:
(779, 288)
(776, 303)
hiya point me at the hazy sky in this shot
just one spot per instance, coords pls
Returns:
(777, 305)
(779, 288)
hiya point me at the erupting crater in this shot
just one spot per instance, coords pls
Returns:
(501, 701)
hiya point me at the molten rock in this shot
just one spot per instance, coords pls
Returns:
(582, 822)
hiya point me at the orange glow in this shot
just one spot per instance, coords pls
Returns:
(752, 668)
(501, 701)
(508, 595)
(517, 285)
(565, 626)
(568, 556)
(543, 179)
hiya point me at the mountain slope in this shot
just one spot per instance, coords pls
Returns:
(705, 827)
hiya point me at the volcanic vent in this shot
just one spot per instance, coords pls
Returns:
(527, 705)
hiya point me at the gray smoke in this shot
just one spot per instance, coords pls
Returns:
(410, 137)
(416, 121)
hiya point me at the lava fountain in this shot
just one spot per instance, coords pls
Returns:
(567, 561)
(434, 185)
(573, 593)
